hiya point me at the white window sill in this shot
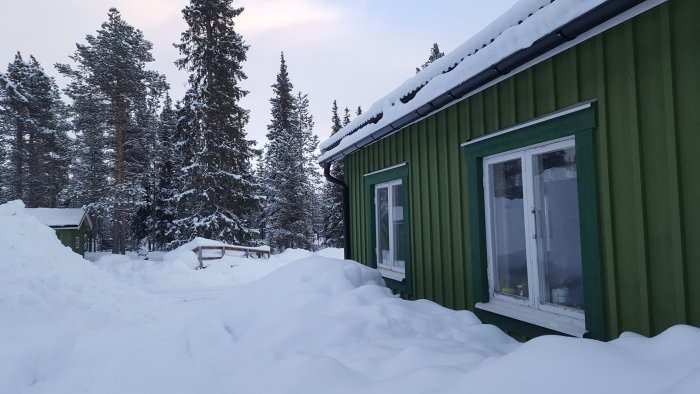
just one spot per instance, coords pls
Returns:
(564, 324)
(398, 276)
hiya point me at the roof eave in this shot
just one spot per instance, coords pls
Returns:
(565, 33)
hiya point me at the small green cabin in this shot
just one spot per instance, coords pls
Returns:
(73, 226)
(544, 174)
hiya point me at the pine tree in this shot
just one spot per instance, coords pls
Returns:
(289, 171)
(32, 112)
(15, 105)
(359, 111)
(112, 66)
(215, 197)
(434, 55)
(142, 166)
(91, 172)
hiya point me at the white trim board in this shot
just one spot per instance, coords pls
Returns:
(386, 169)
(553, 115)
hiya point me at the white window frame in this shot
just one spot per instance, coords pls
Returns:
(388, 271)
(531, 309)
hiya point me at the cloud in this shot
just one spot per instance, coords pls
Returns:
(265, 15)
(144, 14)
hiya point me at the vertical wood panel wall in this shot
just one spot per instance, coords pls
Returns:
(645, 75)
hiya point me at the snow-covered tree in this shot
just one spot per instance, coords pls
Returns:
(332, 194)
(216, 183)
(358, 112)
(142, 166)
(434, 55)
(346, 117)
(166, 165)
(91, 168)
(32, 113)
(289, 171)
(111, 68)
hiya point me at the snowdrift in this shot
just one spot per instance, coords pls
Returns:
(177, 269)
(314, 324)
(42, 280)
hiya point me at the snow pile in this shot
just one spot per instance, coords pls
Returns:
(176, 271)
(518, 28)
(314, 325)
(42, 280)
(49, 296)
(199, 241)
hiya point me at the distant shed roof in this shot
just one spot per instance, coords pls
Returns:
(531, 28)
(59, 217)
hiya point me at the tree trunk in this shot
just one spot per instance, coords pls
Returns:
(118, 245)
(19, 162)
(33, 171)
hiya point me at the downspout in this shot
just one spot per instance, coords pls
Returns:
(346, 206)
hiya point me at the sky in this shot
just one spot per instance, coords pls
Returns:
(352, 51)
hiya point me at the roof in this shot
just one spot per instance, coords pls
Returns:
(530, 29)
(59, 217)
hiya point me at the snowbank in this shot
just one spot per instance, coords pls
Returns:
(176, 271)
(49, 296)
(313, 324)
(42, 280)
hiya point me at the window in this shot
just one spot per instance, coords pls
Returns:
(533, 220)
(532, 228)
(390, 229)
(388, 209)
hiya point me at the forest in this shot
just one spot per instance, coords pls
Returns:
(153, 172)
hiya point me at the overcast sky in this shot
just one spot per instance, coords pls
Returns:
(354, 51)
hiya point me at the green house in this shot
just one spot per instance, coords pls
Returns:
(73, 226)
(544, 174)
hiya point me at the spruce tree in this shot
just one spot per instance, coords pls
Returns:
(112, 65)
(289, 171)
(216, 184)
(167, 163)
(346, 117)
(335, 118)
(434, 55)
(358, 112)
(332, 194)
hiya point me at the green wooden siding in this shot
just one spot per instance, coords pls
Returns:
(644, 74)
(67, 238)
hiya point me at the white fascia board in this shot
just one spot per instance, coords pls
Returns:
(553, 115)
(387, 169)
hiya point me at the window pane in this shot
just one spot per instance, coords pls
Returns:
(508, 228)
(557, 223)
(382, 211)
(399, 236)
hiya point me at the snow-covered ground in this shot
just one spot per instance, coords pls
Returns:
(296, 323)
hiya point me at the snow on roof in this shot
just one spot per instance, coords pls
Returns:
(518, 28)
(57, 217)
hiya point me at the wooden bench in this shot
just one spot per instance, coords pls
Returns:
(249, 252)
